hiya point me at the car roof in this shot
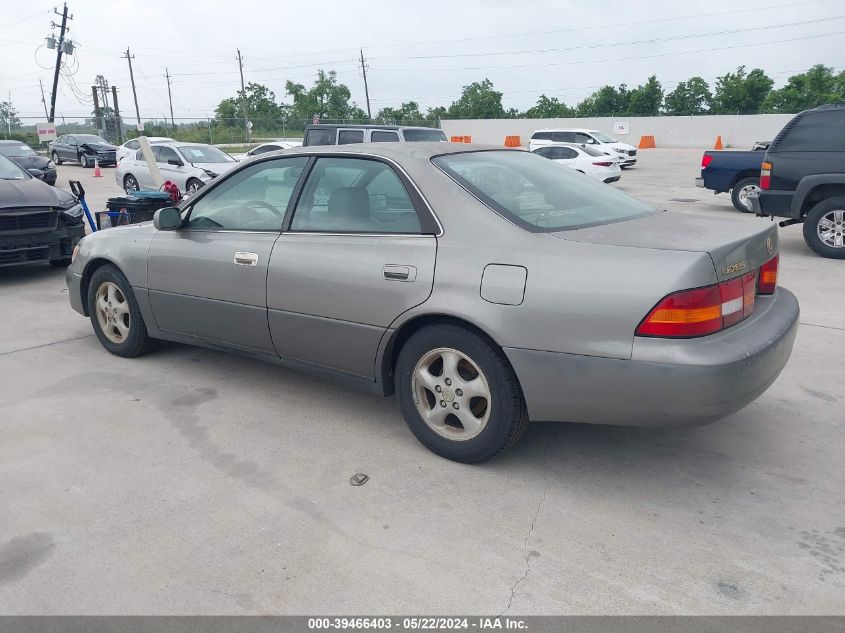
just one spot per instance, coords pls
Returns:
(395, 151)
(566, 129)
(361, 126)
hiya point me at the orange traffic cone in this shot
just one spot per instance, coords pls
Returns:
(97, 172)
(718, 144)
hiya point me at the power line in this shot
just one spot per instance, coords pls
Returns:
(631, 43)
(618, 59)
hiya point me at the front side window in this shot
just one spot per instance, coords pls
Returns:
(353, 195)
(381, 136)
(166, 154)
(347, 137)
(254, 199)
(536, 194)
(320, 136)
(604, 138)
(581, 137)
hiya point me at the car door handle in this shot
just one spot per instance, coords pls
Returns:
(393, 272)
(246, 259)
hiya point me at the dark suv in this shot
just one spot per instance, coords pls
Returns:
(803, 178)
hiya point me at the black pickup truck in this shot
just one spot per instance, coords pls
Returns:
(733, 170)
(803, 178)
(38, 223)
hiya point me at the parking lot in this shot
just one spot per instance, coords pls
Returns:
(190, 481)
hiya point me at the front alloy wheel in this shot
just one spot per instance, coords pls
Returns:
(113, 312)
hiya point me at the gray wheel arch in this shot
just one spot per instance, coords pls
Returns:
(400, 332)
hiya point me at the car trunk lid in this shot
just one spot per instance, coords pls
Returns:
(736, 245)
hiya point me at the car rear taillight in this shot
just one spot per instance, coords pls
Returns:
(705, 160)
(702, 311)
(768, 277)
(765, 175)
(603, 163)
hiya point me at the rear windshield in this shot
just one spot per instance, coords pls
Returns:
(422, 136)
(539, 194)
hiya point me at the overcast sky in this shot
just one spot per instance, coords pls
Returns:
(422, 51)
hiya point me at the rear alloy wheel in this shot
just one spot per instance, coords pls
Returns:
(824, 228)
(740, 191)
(115, 314)
(458, 393)
(130, 185)
(56, 159)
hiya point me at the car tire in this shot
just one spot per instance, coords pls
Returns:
(130, 184)
(824, 228)
(64, 262)
(476, 385)
(83, 160)
(740, 191)
(56, 159)
(115, 315)
(193, 186)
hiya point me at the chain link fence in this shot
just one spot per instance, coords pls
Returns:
(216, 131)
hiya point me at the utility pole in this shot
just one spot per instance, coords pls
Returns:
(98, 114)
(170, 98)
(243, 99)
(118, 123)
(366, 88)
(43, 100)
(65, 18)
(129, 58)
(103, 86)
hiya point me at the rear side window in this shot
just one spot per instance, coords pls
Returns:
(380, 136)
(347, 137)
(353, 195)
(133, 145)
(424, 136)
(816, 132)
(563, 137)
(542, 136)
(592, 151)
(320, 137)
(536, 194)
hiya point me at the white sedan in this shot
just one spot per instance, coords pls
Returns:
(130, 148)
(273, 146)
(592, 162)
(189, 165)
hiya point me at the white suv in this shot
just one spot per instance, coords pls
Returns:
(577, 136)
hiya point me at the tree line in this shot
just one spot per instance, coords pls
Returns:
(738, 92)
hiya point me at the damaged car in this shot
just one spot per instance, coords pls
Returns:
(39, 166)
(38, 223)
(83, 149)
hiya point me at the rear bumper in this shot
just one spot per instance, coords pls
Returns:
(777, 203)
(699, 182)
(667, 382)
(39, 247)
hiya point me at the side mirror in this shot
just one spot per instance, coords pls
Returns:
(167, 219)
(175, 161)
(36, 173)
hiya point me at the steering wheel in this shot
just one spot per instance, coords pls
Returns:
(250, 204)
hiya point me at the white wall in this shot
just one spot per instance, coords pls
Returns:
(740, 131)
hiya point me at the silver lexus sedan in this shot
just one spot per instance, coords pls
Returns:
(484, 287)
